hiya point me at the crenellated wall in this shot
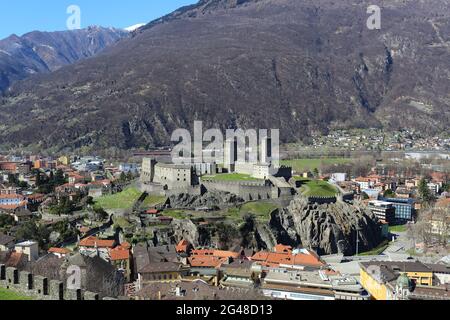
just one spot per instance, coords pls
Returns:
(41, 288)
(248, 190)
(322, 200)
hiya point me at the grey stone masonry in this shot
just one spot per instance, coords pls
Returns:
(12, 276)
(88, 295)
(25, 281)
(109, 298)
(56, 290)
(73, 294)
(40, 286)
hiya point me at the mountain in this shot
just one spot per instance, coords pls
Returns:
(134, 27)
(299, 65)
(43, 52)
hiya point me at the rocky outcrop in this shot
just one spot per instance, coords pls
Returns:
(326, 228)
(185, 229)
(210, 200)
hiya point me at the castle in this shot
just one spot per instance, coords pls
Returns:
(267, 179)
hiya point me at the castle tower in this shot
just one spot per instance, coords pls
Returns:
(230, 154)
(148, 170)
(265, 150)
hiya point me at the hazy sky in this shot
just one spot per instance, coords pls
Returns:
(22, 16)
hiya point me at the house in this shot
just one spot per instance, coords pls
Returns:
(59, 252)
(152, 213)
(9, 191)
(13, 259)
(9, 166)
(93, 246)
(238, 274)
(12, 201)
(193, 290)
(284, 256)
(30, 248)
(160, 272)
(183, 247)
(76, 178)
(364, 183)
(120, 257)
(441, 273)
(22, 215)
(6, 242)
(95, 191)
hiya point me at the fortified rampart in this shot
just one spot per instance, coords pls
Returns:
(322, 200)
(248, 190)
(41, 288)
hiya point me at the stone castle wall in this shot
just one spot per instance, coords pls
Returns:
(248, 190)
(322, 200)
(39, 287)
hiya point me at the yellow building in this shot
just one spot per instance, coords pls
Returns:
(160, 272)
(64, 160)
(379, 278)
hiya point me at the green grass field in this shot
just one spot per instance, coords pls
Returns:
(317, 188)
(176, 214)
(11, 295)
(122, 200)
(232, 177)
(399, 228)
(260, 209)
(152, 201)
(302, 165)
(121, 222)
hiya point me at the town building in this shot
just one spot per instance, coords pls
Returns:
(379, 278)
(92, 246)
(285, 256)
(59, 252)
(384, 211)
(311, 285)
(404, 208)
(12, 201)
(6, 242)
(30, 248)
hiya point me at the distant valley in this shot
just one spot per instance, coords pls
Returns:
(306, 67)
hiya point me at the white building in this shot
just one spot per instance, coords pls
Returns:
(30, 248)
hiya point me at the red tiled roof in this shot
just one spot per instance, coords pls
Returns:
(276, 258)
(203, 252)
(11, 196)
(226, 254)
(21, 204)
(94, 241)
(206, 261)
(59, 250)
(36, 196)
(121, 252)
(280, 248)
(182, 246)
(15, 259)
